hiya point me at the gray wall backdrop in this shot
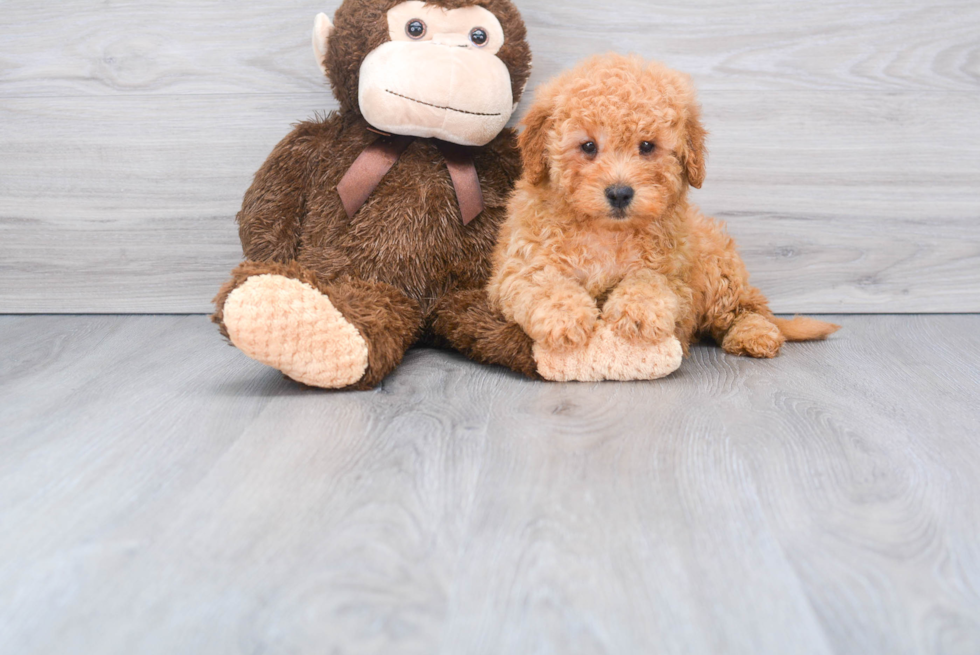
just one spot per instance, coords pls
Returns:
(845, 145)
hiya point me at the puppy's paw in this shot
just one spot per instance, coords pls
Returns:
(649, 320)
(562, 323)
(753, 335)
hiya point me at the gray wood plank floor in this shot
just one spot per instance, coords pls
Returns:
(845, 150)
(161, 493)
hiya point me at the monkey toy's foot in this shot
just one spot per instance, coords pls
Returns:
(609, 357)
(289, 325)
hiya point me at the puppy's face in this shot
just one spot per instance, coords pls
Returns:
(617, 139)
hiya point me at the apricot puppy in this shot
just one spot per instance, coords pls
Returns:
(600, 234)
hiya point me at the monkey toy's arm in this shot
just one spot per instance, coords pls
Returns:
(270, 221)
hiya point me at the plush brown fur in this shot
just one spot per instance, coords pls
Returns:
(386, 268)
(465, 321)
(567, 261)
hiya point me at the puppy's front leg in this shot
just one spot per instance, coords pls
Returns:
(552, 309)
(642, 307)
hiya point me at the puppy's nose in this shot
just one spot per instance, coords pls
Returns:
(620, 196)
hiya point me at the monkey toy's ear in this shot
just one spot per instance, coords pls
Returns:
(322, 29)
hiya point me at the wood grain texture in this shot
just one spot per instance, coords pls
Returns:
(845, 151)
(160, 493)
(85, 47)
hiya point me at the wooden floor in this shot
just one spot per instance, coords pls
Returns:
(161, 493)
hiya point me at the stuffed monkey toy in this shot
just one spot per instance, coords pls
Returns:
(373, 229)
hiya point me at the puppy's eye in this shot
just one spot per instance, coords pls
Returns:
(415, 28)
(646, 147)
(590, 148)
(479, 36)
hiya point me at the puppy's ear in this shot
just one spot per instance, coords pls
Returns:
(695, 152)
(533, 141)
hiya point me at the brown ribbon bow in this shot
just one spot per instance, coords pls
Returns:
(367, 171)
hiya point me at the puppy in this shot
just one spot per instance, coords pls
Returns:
(600, 235)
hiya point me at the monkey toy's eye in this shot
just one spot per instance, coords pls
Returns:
(646, 147)
(415, 28)
(590, 148)
(479, 36)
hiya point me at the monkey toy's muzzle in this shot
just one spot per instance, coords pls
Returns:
(433, 90)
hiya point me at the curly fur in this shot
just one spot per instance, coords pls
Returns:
(567, 261)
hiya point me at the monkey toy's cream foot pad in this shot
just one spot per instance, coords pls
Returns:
(609, 357)
(291, 326)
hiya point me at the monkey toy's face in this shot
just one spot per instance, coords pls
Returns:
(434, 70)
(439, 75)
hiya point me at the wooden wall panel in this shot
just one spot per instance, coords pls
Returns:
(845, 148)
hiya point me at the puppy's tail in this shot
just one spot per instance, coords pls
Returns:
(803, 328)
